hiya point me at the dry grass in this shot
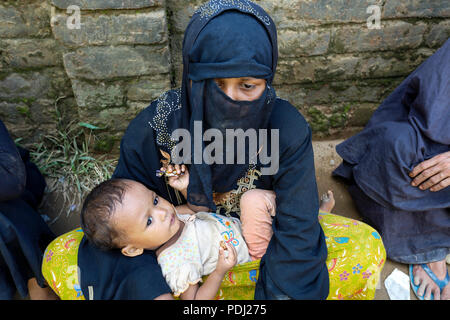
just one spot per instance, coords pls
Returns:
(73, 169)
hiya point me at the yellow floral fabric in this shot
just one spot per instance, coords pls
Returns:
(60, 265)
(356, 256)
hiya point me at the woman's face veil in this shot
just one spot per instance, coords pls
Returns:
(225, 39)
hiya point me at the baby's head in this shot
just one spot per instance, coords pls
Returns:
(126, 215)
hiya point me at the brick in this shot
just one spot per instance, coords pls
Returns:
(31, 53)
(439, 33)
(181, 12)
(99, 95)
(416, 8)
(320, 11)
(24, 86)
(107, 4)
(393, 35)
(31, 20)
(98, 63)
(349, 66)
(330, 93)
(303, 43)
(135, 28)
(148, 89)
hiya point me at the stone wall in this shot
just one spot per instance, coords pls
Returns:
(34, 88)
(334, 67)
(118, 60)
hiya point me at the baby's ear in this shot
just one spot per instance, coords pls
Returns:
(131, 251)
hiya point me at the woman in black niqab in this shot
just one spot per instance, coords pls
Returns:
(235, 39)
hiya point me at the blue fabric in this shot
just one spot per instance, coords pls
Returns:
(230, 45)
(410, 237)
(409, 127)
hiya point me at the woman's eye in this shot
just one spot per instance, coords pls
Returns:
(149, 221)
(155, 201)
(248, 86)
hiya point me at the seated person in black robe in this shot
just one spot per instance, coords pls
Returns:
(23, 233)
(398, 168)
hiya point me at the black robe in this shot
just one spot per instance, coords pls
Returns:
(294, 264)
(23, 233)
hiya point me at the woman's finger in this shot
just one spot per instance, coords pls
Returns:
(423, 166)
(429, 163)
(441, 185)
(436, 176)
(425, 175)
(172, 179)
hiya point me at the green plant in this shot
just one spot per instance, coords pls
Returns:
(65, 158)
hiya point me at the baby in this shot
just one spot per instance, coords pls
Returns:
(124, 214)
(189, 242)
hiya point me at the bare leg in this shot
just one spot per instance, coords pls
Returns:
(427, 286)
(327, 201)
(257, 209)
(38, 293)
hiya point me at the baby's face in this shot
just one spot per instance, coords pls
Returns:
(147, 220)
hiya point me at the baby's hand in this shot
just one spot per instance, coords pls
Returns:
(227, 257)
(180, 181)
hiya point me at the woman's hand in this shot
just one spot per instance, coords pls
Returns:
(227, 258)
(433, 174)
(181, 181)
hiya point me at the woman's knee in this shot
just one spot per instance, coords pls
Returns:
(258, 201)
(399, 136)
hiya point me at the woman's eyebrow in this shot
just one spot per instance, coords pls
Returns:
(249, 79)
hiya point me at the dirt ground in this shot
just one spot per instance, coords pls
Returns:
(326, 160)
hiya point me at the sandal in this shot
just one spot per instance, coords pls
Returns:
(440, 283)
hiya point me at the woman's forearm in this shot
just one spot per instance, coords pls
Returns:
(184, 209)
(198, 208)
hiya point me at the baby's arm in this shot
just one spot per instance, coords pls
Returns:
(208, 290)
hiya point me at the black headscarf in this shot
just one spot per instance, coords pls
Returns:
(225, 40)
